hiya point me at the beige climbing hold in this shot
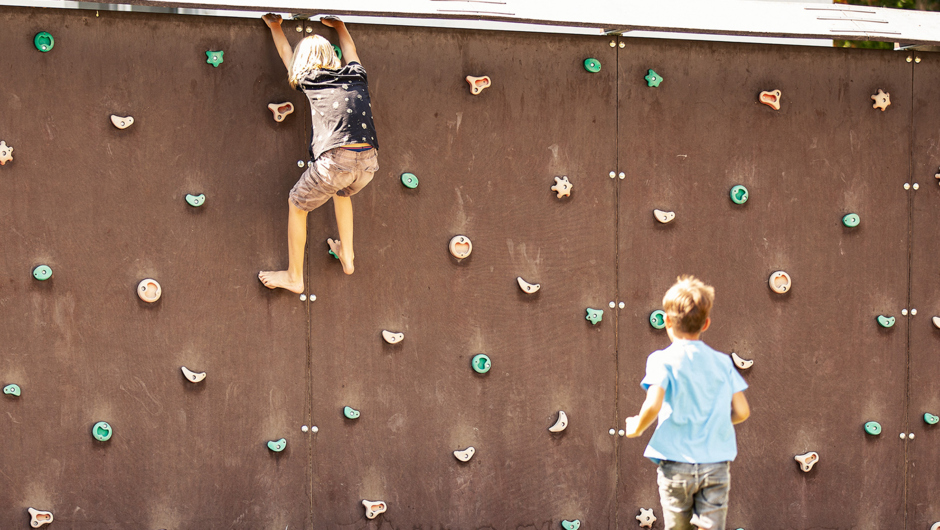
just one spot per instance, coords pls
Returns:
(465, 455)
(935, 526)
(882, 99)
(779, 282)
(807, 460)
(743, 364)
(460, 246)
(149, 290)
(527, 287)
(771, 99)
(191, 376)
(281, 110)
(6, 154)
(38, 518)
(936, 322)
(392, 338)
(646, 517)
(477, 84)
(664, 216)
(122, 122)
(561, 423)
(373, 508)
(562, 187)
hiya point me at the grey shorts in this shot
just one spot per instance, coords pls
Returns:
(336, 172)
(694, 495)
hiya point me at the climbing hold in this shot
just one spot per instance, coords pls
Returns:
(409, 180)
(646, 517)
(214, 58)
(739, 194)
(6, 153)
(527, 287)
(191, 376)
(571, 525)
(936, 322)
(460, 246)
(392, 338)
(102, 431)
(882, 99)
(658, 319)
(42, 272)
(481, 363)
(771, 99)
(929, 418)
(277, 445)
(594, 315)
(43, 41)
(195, 200)
(851, 220)
(350, 413)
(373, 508)
(663, 216)
(38, 518)
(149, 290)
(873, 428)
(743, 364)
(281, 110)
(592, 65)
(653, 79)
(807, 460)
(477, 84)
(935, 526)
(780, 282)
(885, 322)
(562, 187)
(561, 423)
(12, 390)
(465, 455)
(122, 122)
(338, 51)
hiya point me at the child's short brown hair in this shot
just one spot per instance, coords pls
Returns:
(688, 303)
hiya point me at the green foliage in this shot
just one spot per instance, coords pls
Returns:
(922, 5)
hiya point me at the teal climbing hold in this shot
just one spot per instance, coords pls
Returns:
(851, 220)
(195, 200)
(481, 363)
(571, 525)
(873, 428)
(592, 65)
(42, 272)
(594, 315)
(409, 180)
(885, 322)
(43, 41)
(658, 319)
(350, 413)
(929, 418)
(653, 79)
(277, 445)
(739, 194)
(12, 390)
(214, 57)
(338, 51)
(102, 431)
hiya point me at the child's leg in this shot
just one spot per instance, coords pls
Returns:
(711, 500)
(344, 223)
(293, 278)
(675, 494)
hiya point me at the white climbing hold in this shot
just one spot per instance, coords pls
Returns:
(122, 122)
(465, 455)
(743, 364)
(373, 508)
(281, 110)
(936, 321)
(935, 526)
(6, 153)
(460, 246)
(664, 216)
(779, 282)
(191, 376)
(38, 518)
(528, 287)
(392, 338)
(561, 423)
(882, 100)
(562, 187)
(149, 290)
(807, 460)
(646, 517)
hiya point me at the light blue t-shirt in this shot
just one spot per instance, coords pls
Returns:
(695, 420)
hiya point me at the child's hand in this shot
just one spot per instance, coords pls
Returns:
(272, 20)
(331, 21)
(632, 429)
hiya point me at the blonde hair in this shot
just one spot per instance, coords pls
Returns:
(311, 53)
(688, 303)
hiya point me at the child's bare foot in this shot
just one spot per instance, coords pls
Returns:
(275, 279)
(347, 260)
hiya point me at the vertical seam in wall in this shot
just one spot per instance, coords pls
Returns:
(618, 184)
(308, 369)
(910, 279)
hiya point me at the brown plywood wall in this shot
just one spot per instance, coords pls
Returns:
(105, 209)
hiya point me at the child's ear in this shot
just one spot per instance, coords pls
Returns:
(668, 321)
(708, 322)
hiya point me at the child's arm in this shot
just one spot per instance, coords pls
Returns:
(345, 40)
(648, 412)
(280, 40)
(740, 410)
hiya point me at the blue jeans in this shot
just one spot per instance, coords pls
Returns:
(694, 495)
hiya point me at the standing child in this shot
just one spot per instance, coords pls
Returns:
(699, 397)
(343, 148)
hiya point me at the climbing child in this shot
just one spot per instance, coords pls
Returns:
(343, 148)
(699, 397)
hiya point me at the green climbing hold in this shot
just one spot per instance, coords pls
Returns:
(571, 525)
(278, 445)
(929, 418)
(658, 319)
(592, 65)
(481, 363)
(594, 315)
(653, 79)
(338, 51)
(43, 41)
(851, 220)
(42, 272)
(214, 58)
(739, 194)
(873, 428)
(885, 322)
(409, 180)
(350, 413)
(195, 200)
(102, 431)
(12, 390)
